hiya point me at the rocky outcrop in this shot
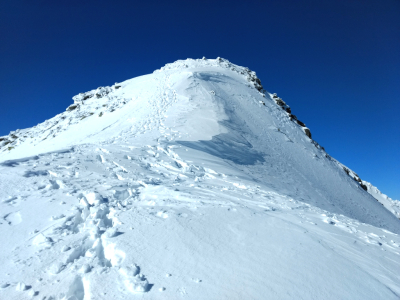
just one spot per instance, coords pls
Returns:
(98, 101)
(292, 117)
(252, 77)
(10, 140)
(72, 107)
(355, 177)
(98, 93)
(307, 132)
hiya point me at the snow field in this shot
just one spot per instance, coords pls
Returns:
(211, 231)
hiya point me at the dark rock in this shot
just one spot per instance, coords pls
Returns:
(280, 102)
(260, 88)
(318, 146)
(72, 107)
(364, 186)
(301, 123)
(307, 132)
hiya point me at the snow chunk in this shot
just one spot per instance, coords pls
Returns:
(138, 284)
(94, 198)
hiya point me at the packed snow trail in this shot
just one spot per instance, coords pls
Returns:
(192, 183)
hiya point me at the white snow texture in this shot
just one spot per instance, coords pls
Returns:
(189, 183)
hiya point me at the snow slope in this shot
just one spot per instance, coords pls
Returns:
(191, 182)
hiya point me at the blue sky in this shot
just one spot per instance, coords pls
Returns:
(336, 63)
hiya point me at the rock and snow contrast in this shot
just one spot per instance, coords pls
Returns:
(189, 183)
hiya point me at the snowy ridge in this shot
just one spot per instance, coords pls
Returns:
(390, 204)
(104, 100)
(96, 102)
(192, 182)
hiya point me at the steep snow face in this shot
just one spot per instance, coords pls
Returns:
(189, 182)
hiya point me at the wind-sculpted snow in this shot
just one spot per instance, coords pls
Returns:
(227, 147)
(132, 219)
(197, 184)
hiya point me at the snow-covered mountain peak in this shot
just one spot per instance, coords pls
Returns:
(173, 183)
(182, 65)
(198, 63)
(102, 101)
(209, 105)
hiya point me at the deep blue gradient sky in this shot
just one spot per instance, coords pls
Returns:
(336, 63)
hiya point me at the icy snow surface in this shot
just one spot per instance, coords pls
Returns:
(189, 183)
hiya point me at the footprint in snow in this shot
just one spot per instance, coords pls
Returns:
(76, 289)
(134, 281)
